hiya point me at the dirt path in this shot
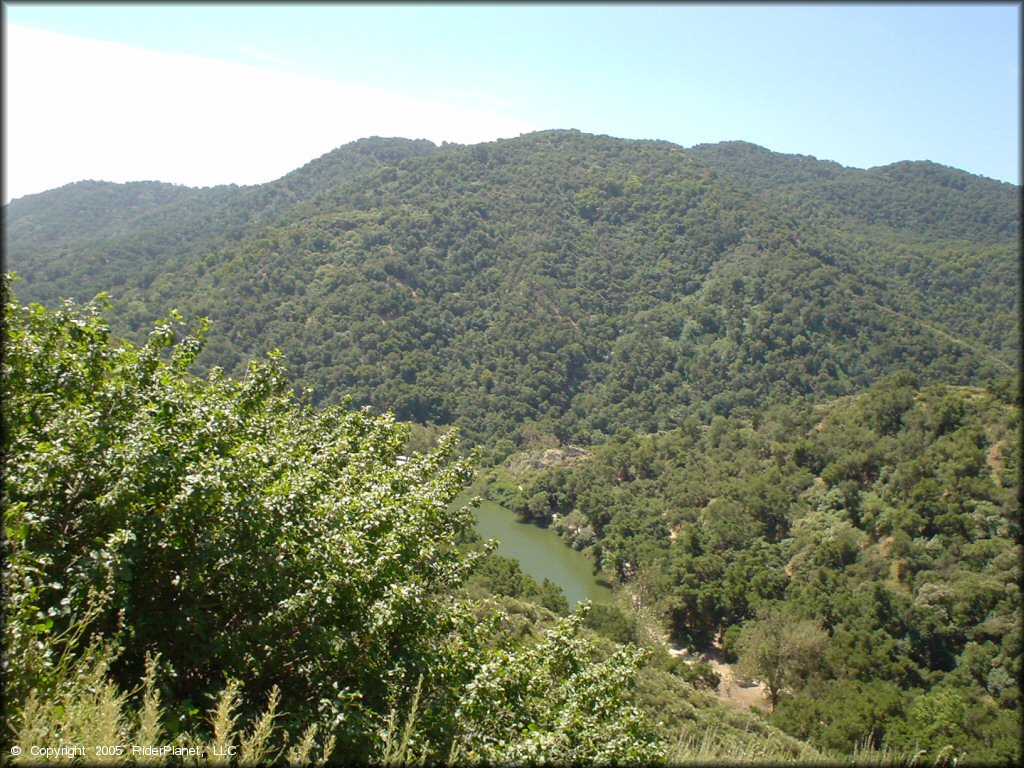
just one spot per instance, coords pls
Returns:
(730, 689)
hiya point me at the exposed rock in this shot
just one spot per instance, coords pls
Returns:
(551, 457)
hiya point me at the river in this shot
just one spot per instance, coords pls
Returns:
(540, 552)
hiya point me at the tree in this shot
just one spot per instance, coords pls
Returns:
(779, 649)
(843, 715)
(154, 503)
(252, 542)
(548, 704)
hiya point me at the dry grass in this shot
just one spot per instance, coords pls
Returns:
(398, 746)
(86, 709)
(714, 745)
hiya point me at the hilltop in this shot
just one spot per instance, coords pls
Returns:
(557, 282)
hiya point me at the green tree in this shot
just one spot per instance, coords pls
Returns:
(153, 502)
(842, 715)
(241, 536)
(780, 650)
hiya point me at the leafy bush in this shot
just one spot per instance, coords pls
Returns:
(255, 543)
(218, 523)
(548, 704)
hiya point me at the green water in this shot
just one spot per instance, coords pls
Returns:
(540, 552)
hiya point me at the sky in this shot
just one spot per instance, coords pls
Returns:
(243, 93)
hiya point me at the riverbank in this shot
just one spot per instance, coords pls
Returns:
(540, 552)
(544, 555)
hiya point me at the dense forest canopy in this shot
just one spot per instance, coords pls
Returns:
(559, 282)
(889, 521)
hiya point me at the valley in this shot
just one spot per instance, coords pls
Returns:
(761, 411)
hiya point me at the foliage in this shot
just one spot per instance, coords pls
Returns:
(497, 575)
(613, 622)
(241, 536)
(780, 650)
(890, 519)
(549, 705)
(557, 284)
(845, 715)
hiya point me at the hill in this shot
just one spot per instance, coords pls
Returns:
(792, 379)
(558, 283)
(890, 520)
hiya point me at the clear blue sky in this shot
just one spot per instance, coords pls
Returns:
(863, 85)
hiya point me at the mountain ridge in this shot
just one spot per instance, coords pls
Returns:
(567, 280)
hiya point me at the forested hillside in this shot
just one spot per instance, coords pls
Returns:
(202, 570)
(791, 390)
(888, 522)
(558, 283)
